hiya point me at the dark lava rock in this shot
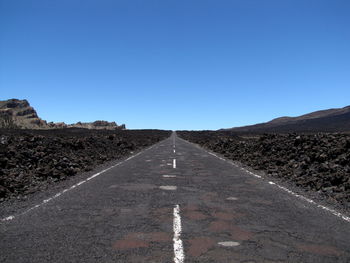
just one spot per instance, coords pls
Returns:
(32, 159)
(317, 162)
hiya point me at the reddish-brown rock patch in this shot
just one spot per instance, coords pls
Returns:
(240, 234)
(190, 207)
(199, 246)
(158, 237)
(236, 232)
(129, 244)
(219, 226)
(195, 215)
(139, 239)
(223, 215)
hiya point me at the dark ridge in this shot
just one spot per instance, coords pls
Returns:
(332, 120)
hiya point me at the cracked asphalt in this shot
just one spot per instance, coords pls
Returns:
(126, 215)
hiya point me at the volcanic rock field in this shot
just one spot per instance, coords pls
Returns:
(31, 160)
(316, 162)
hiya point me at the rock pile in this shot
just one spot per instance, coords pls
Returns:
(318, 162)
(30, 160)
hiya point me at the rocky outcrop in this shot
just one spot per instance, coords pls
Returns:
(19, 114)
(97, 125)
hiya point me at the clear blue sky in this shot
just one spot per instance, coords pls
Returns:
(180, 64)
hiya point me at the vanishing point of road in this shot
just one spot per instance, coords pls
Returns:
(174, 202)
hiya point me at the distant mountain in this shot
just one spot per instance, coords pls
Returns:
(331, 120)
(18, 114)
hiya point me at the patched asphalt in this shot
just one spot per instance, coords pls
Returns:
(126, 215)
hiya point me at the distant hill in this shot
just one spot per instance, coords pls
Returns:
(331, 120)
(18, 114)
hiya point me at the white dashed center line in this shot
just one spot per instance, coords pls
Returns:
(169, 176)
(179, 255)
(168, 187)
(232, 198)
(174, 163)
(228, 244)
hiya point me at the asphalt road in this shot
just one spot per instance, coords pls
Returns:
(175, 204)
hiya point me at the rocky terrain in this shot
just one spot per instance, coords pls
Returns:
(97, 125)
(331, 120)
(30, 160)
(316, 162)
(18, 114)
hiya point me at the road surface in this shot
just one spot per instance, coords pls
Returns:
(174, 202)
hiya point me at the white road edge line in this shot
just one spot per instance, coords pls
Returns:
(330, 210)
(174, 163)
(11, 217)
(179, 255)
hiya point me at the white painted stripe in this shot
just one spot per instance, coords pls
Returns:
(57, 195)
(8, 218)
(168, 187)
(222, 159)
(174, 150)
(229, 244)
(169, 176)
(47, 200)
(174, 163)
(179, 255)
(330, 210)
(253, 174)
(81, 182)
(11, 217)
